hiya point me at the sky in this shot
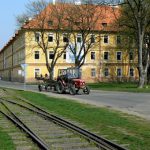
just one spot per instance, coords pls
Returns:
(9, 9)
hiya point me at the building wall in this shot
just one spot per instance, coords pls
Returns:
(31, 47)
(22, 50)
(11, 59)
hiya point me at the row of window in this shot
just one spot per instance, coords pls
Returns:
(118, 55)
(107, 73)
(65, 38)
(93, 72)
(51, 23)
(79, 38)
(106, 39)
(119, 72)
(50, 56)
(93, 55)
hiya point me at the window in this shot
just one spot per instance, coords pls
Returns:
(50, 37)
(130, 55)
(131, 72)
(64, 55)
(106, 72)
(37, 37)
(93, 72)
(106, 55)
(104, 24)
(105, 38)
(92, 55)
(79, 38)
(65, 38)
(119, 55)
(77, 23)
(92, 38)
(37, 72)
(118, 39)
(119, 72)
(51, 55)
(36, 55)
(80, 73)
(50, 23)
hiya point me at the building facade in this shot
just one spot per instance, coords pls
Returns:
(110, 59)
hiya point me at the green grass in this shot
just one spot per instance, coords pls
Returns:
(122, 86)
(118, 126)
(5, 141)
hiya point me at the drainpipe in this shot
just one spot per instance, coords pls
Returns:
(12, 61)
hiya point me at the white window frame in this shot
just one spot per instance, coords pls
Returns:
(51, 35)
(35, 54)
(117, 39)
(79, 35)
(49, 54)
(94, 55)
(65, 35)
(93, 73)
(36, 38)
(35, 71)
(105, 71)
(104, 55)
(130, 72)
(64, 57)
(93, 37)
(132, 56)
(107, 39)
(117, 72)
(117, 55)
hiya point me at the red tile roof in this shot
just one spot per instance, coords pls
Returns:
(108, 14)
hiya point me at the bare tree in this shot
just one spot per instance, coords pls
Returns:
(135, 17)
(32, 9)
(48, 20)
(81, 25)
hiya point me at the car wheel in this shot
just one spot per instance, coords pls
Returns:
(77, 91)
(86, 90)
(60, 87)
(72, 90)
(46, 87)
(40, 87)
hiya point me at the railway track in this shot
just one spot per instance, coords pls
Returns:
(49, 131)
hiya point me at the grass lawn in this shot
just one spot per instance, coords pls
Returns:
(123, 128)
(126, 87)
(5, 142)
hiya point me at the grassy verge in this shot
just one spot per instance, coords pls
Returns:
(116, 125)
(126, 87)
(5, 142)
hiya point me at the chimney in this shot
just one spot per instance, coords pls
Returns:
(77, 2)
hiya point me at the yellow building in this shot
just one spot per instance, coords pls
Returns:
(108, 60)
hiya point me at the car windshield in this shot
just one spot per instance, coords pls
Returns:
(62, 72)
(72, 73)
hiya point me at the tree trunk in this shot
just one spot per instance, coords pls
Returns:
(142, 80)
(51, 75)
(148, 75)
(140, 60)
(77, 63)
